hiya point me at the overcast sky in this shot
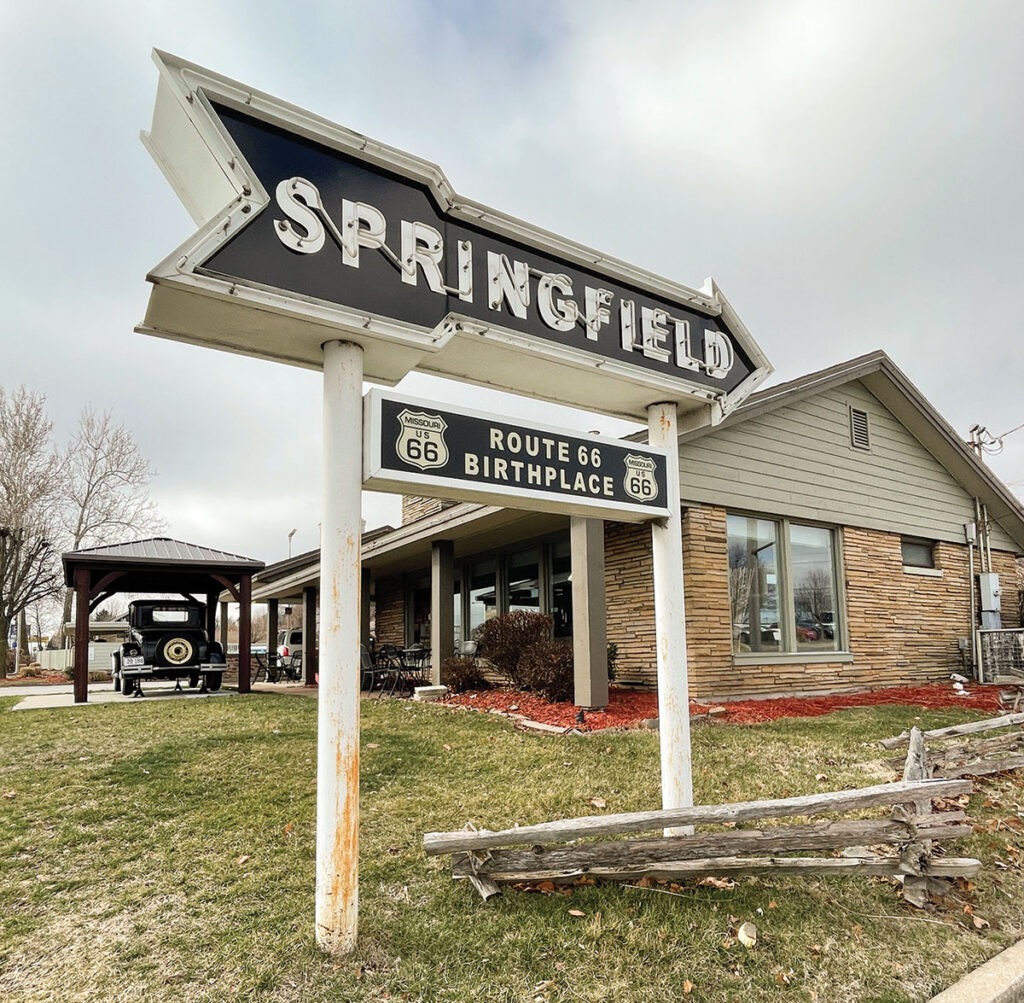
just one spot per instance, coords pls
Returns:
(850, 174)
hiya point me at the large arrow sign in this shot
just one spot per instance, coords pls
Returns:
(309, 230)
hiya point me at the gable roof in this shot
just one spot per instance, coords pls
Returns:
(891, 387)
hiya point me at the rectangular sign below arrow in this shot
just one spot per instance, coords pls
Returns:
(413, 446)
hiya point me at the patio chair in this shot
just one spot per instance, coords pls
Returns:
(372, 672)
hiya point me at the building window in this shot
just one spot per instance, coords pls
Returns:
(917, 553)
(483, 594)
(783, 591)
(813, 573)
(753, 583)
(560, 603)
(860, 437)
(524, 580)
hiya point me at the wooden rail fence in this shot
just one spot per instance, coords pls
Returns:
(489, 859)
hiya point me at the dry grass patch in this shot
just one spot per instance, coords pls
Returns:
(165, 851)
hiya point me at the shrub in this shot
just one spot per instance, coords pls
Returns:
(613, 659)
(547, 668)
(460, 674)
(504, 640)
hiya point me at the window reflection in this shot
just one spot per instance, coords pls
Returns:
(483, 598)
(814, 588)
(523, 581)
(561, 589)
(753, 584)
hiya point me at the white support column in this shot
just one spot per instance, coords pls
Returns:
(442, 606)
(589, 615)
(337, 769)
(670, 624)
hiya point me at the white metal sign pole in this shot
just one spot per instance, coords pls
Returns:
(337, 770)
(670, 624)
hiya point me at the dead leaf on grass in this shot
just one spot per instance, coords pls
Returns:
(979, 923)
(688, 987)
(598, 802)
(10, 794)
(243, 859)
(447, 747)
(747, 935)
(717, 882)
(576, 912)
(372, 745)
(288, 828)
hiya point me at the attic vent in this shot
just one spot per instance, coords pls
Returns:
(859, 438)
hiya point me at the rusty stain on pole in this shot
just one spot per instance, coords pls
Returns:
(337, 796)
(670, 626)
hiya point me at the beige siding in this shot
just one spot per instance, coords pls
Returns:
(797, 461)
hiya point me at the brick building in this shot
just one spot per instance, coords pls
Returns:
(824, 549)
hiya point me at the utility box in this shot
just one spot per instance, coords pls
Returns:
(988, 589)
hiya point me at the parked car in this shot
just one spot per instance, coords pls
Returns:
(828, 624)
(289, 642)
(167, 640)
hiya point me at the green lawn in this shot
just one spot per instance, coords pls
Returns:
(120, 880)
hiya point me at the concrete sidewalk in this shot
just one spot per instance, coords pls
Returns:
(23, 691)
(48, 699)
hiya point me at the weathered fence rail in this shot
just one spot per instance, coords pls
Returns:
(952, 759)
(489, 859)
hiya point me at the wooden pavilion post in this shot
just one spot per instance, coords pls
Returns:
(244, 632)
(81, 635)
(211, 614)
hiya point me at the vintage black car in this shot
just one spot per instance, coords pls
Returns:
(167, 640)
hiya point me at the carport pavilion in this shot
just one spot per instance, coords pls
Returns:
(159, 565)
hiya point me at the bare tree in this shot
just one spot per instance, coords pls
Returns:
(32, 478)
(108, 489)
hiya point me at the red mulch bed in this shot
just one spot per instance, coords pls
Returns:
(627, 708)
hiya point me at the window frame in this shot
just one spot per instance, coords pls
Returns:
(789, 652)
(917, 541)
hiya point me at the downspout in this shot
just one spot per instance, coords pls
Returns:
(970, 532)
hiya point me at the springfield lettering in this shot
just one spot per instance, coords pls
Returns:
(510, 286)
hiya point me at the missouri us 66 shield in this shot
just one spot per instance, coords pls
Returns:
(640, 482)
(421, 439)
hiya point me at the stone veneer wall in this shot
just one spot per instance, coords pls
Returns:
(629, 600)
(390, 601)
(903, 627)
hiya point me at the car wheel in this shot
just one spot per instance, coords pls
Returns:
(127, 685)
(213, 680)
(193, 680)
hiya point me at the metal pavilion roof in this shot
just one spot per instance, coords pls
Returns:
(160, 553)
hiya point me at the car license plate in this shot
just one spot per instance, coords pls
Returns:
(130, 661)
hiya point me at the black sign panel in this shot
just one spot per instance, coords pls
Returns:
(413, 446)
(345, 231)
